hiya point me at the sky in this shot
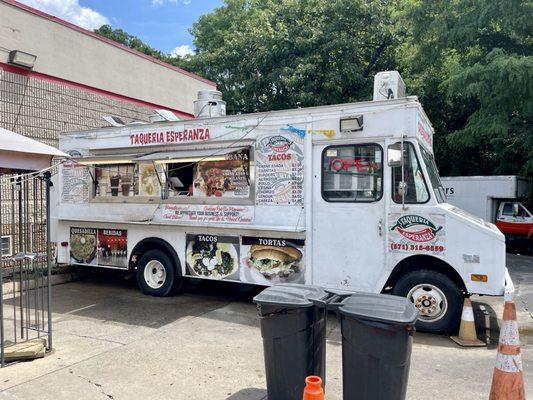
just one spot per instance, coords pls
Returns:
(163, 24)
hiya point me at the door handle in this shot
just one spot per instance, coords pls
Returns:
(380, 227)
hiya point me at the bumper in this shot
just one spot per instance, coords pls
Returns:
(508, 293)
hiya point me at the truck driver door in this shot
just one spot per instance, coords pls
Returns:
(348, 215)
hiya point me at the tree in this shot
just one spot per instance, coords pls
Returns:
(274, 54)
(133, 42)
(471, 63)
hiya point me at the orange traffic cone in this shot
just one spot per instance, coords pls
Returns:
(313, 388)
(508, 381)
(467, 331)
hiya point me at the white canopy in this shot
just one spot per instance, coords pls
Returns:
(22, 153)
(189, 154)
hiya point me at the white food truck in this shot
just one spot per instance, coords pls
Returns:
(345, 196)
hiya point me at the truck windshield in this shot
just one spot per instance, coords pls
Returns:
(433, 173)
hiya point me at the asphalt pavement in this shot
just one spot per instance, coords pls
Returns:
(521, 271)
(112, 342)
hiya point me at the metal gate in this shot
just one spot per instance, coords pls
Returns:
(25, 260)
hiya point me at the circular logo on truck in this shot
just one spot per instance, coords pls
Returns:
(279, 144)
(416, 228)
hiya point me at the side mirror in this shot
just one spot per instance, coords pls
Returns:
(402, 189)
(394, 155)
(516, 210)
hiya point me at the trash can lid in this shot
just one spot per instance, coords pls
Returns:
(395, 310)
(290, 295)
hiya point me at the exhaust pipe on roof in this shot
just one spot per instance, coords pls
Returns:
(209, 104)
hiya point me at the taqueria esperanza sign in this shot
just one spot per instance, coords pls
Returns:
(418, 233)
(164, 136)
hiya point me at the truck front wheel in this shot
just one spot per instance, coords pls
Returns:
(155, 273)
(437, 297)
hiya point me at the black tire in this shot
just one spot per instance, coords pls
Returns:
(159, 284)
(450, 317)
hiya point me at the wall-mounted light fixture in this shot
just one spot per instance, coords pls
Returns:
(22, 59)
(352, 123)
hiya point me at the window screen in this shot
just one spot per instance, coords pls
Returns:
(352, 173)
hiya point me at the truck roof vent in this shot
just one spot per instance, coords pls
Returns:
(113, 121)
(165, 115)
(388, 85)
(209, 104)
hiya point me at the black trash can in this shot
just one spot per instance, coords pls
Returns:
(377, 334)
(293, 326)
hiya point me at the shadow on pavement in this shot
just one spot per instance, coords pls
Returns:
(109, 296)
(249, 394)
(486, 324)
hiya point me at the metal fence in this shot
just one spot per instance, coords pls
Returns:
(25, 260)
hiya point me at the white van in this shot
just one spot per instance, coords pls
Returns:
(496, 199)
(344, 196)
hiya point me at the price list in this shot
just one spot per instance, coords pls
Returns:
(279, 172)
(75, 183)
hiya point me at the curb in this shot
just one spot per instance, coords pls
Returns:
(58, 279)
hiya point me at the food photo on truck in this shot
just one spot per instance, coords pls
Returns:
(344, 196)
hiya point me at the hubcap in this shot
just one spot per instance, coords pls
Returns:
(155, 274)
(430, 301)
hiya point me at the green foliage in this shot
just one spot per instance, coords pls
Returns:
(133, 42)
(469, 61)
(274, 54)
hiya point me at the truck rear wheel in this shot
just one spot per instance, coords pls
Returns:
(438, 299)
(155, 273)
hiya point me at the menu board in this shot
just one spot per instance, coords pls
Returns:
(212, 256)
(267, 261)
(223, 178)
(92, 246)
(279, 161)
(199, 213)
(75, 183)
(113, 247)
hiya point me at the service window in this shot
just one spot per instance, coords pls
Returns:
(225, 175)
(416, 190)
(115, 180)
(352, 173)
